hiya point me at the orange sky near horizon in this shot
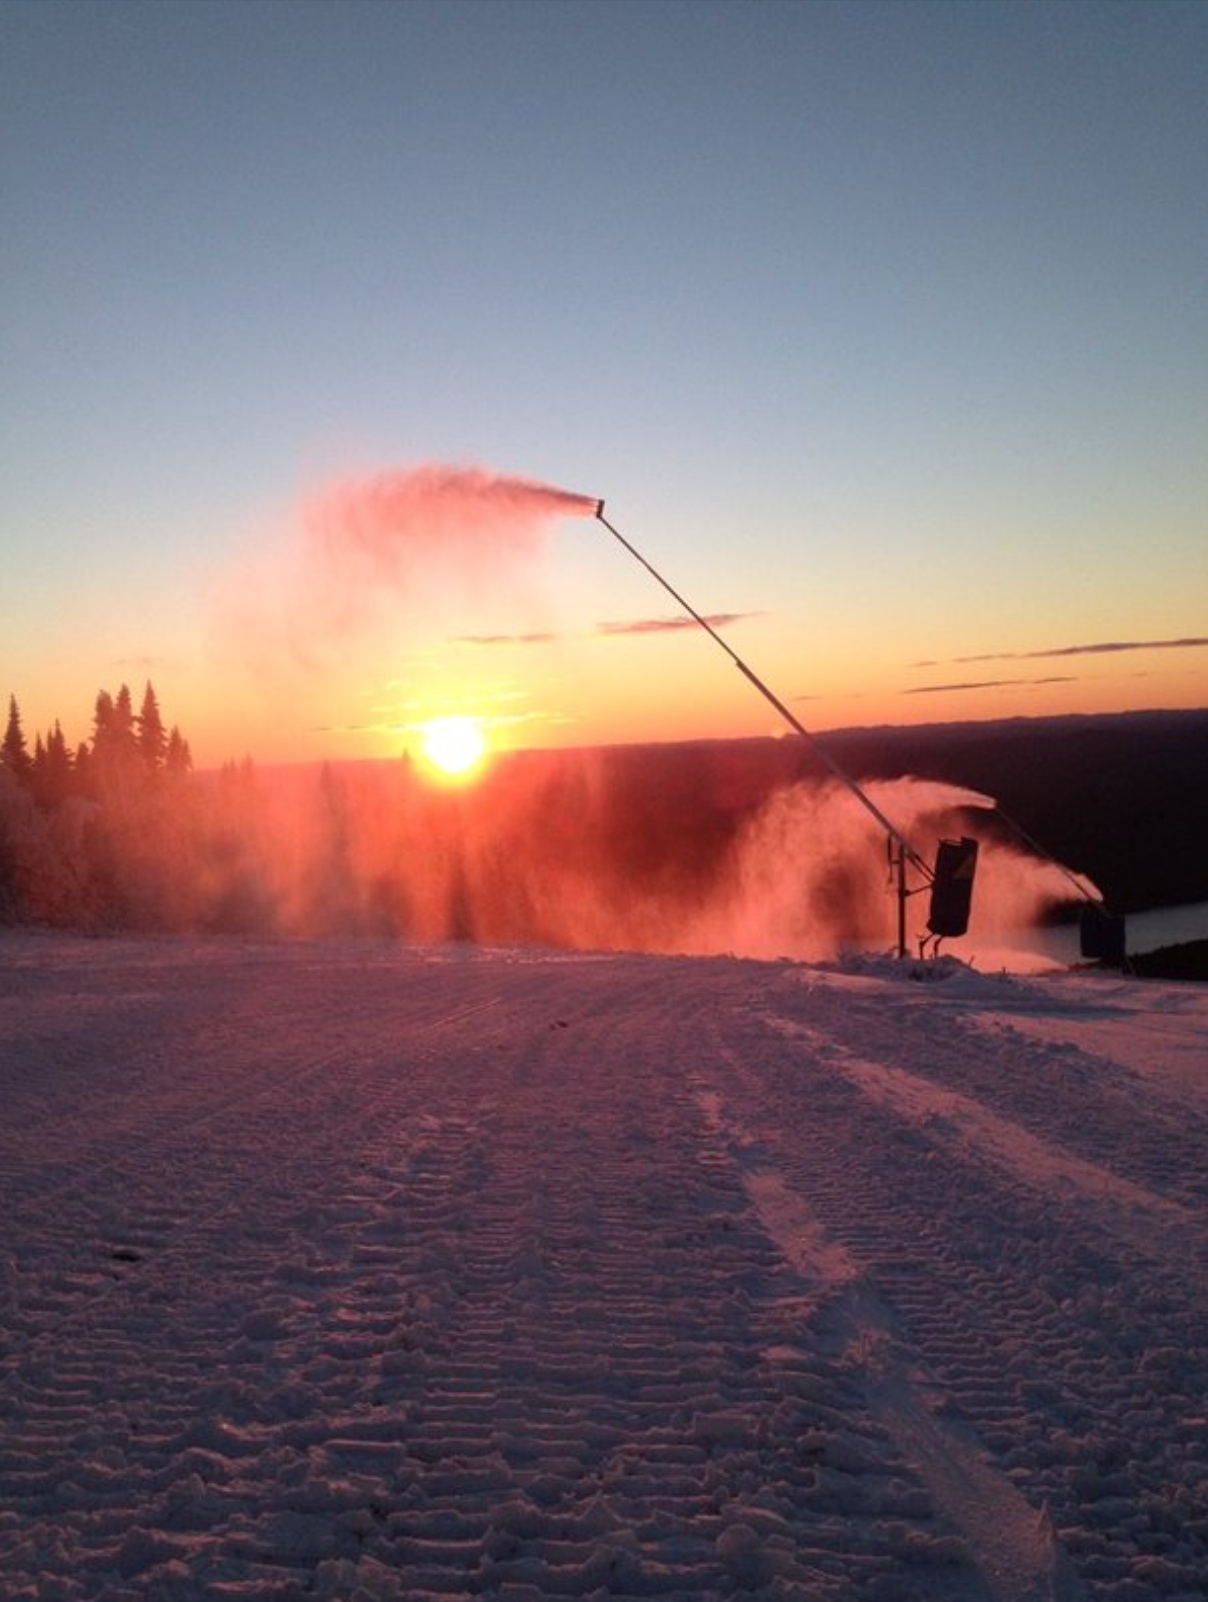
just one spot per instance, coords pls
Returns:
(669, 687)
(552, 635)
(569, 644)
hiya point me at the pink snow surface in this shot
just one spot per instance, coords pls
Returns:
(355, 1271)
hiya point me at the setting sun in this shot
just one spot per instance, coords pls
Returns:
(454, 748)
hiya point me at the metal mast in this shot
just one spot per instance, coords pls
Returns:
(905, 852)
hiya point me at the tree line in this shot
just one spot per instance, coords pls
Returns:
(121, 835)
(126, 748)
(71, 819)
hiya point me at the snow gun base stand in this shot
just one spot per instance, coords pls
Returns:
(951, 891)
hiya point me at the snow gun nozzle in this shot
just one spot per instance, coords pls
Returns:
(600, 510)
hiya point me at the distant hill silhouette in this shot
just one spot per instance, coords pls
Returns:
(1120, 797)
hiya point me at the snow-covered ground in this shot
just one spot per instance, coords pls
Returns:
(354, 1271)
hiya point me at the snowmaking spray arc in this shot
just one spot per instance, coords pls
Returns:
(950, 880)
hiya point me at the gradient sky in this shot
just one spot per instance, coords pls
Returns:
(883, 330)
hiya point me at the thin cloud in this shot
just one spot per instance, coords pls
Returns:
(349, 728)
(517, 719)
(608, 630)
(545, 638)
(669, 625)
(1103, 648)
(146, 664)
(408, 720)
(988, 684)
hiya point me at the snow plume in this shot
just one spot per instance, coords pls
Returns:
(404, 531)
(356, 555)
(650, 849)
(809, 876)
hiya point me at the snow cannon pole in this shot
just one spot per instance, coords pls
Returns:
(906, 851)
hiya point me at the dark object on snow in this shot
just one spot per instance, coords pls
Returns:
(1189, 961)
(952, 888)
(1102, 936)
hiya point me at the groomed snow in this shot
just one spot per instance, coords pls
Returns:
(353, 1271)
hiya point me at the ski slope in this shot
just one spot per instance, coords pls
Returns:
(353, 1271)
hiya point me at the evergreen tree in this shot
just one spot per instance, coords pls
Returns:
(103, 722)
(13, 751)
(123, 719)
(54, 779)
(178, 759)
(116, 770)
(37, 769)
(152, 737)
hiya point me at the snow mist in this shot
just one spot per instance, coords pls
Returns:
(640, 850)
(809, 876)
(409, 527)
(360, 554)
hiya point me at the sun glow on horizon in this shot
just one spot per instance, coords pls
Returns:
(454, 749)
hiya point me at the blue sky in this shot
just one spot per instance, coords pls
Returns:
(884, 325)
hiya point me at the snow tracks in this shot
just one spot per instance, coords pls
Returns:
(1008, 1242)
(343, 1271)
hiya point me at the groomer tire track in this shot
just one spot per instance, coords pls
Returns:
(986, 1276)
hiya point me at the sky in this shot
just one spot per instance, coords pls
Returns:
(881, 330)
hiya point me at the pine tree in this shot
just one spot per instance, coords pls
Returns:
(103, 721)
(55, 779)
(13, 751)
(123, 718)
(115, 771)
(37, 770)
(152, 737)
(178, 759)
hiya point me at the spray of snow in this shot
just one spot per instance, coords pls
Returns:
(809, 877)
(567, 850)
(377, 549)
(570, 854)
(401, 532)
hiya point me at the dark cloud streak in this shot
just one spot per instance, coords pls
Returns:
(1104, 648)
(989, 684)
(669, 625)
(505, 639)
(611, 630)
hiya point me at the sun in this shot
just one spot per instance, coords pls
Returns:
(453, 748)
